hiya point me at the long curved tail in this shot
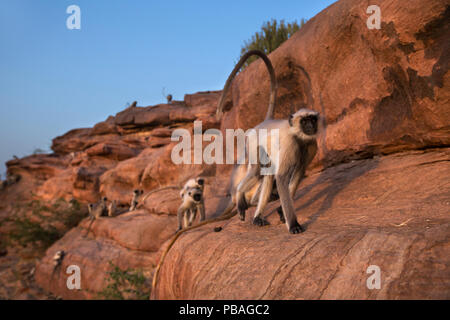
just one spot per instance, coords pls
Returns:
(159, 189)
(273, 83)
(227, 214)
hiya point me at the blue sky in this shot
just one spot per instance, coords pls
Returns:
(53, 79)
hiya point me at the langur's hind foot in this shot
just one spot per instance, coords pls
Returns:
(260, 222)
(296, 228)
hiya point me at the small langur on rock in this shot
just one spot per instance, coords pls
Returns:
(192, 201)
(168, 96)
(96, 212)
(58, 258)
(90, 209)
(135, 200)
(112, 209)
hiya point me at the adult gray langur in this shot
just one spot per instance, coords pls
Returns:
(297, 148)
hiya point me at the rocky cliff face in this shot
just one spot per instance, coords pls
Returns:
(377, 194)
(381, 91)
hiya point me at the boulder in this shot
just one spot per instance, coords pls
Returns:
(206, 98)
(106, 127)
(93, 255)
(117, 151)
(379, 91)
(72, 141)
(391, 212)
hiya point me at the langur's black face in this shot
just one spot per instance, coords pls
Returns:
(195, 194)
(308, 124)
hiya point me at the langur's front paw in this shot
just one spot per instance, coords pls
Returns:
(242, 215)
(260, 222)
(296, 228)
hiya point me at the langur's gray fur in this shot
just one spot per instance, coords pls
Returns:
(96, 211)
(192, 201)
(135, 200)
(298, 146)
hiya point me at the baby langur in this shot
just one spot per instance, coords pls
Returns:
(58, 258)
(96, 212)
(192, 201)
(135, 200)
(112, 209)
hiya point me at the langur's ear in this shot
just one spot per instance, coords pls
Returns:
(291, 116)
(181, 194)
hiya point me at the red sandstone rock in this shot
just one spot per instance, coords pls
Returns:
(117, 152)
(72, 141)
(105, 127)
(389, 211)
(380, 91)
(161, 133)
(207, 98)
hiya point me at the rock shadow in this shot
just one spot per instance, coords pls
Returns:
(336, 178)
